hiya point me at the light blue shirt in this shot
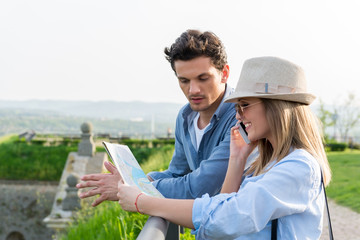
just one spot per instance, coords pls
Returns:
(192, 173)
(290, 191)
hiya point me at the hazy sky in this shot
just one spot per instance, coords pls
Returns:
(113, 50)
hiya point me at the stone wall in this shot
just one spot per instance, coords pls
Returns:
(23, 206)
(34, 210)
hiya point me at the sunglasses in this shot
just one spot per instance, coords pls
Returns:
(240, 109)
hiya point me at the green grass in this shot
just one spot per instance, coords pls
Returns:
(344, 187)
(22, 161)
(107, 221)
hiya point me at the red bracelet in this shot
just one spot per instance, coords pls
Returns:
(137, 209)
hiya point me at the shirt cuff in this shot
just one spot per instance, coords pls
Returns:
(154, 175)
(160, 175)
(197, 211)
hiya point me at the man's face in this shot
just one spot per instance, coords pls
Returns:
(202, 84)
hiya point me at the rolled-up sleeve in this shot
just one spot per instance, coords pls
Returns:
(203, 207)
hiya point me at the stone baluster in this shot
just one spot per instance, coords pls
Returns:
(71, 201)
(86, 146)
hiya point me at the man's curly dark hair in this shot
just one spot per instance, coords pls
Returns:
(192, 44)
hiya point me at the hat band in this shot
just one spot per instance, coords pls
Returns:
(275, 89)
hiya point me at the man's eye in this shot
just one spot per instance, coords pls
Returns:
(183, 80)
(244, 105)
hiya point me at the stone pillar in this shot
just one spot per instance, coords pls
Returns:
(86, 146)
(80, 163)
(71, 201)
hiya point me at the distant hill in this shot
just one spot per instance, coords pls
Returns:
(134, 119)
(163, 112)
(116, 118)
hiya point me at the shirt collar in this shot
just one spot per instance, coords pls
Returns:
(223, 107)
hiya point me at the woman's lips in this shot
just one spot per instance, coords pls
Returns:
(247, 126)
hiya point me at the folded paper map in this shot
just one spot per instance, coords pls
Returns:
(130, 169)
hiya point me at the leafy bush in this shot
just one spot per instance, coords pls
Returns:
(142, 154)
(70, 142)
(335, 146)
(143, 143)
(162, 142)
(355, 146)
(38, 142)
(135, 143)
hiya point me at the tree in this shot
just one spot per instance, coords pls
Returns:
(347, 116)
(326, 118)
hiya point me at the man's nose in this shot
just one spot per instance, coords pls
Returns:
(194, 87)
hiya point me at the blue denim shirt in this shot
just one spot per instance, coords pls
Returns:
(290, 191)
(193, 173)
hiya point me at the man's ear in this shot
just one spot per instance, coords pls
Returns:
(225, 73)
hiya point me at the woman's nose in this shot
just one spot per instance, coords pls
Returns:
(239, 116)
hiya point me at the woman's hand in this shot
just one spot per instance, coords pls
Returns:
(127, 196)
(239, 152)
(238, 147)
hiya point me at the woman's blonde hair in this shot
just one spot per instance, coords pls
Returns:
(293, 125)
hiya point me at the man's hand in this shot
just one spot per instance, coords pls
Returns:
(104, 184)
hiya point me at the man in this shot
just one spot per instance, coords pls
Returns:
(202, 132)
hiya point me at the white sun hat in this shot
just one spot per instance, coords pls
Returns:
(272, 78)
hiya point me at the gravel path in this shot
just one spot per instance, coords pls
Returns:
(345, 223)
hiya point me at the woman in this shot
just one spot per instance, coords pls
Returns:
(283, 183)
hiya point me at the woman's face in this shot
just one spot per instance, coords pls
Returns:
(251, 111)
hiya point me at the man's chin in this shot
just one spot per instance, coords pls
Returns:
(197, 108)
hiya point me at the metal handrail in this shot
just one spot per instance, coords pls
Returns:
(159, 229)
(154, 228)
